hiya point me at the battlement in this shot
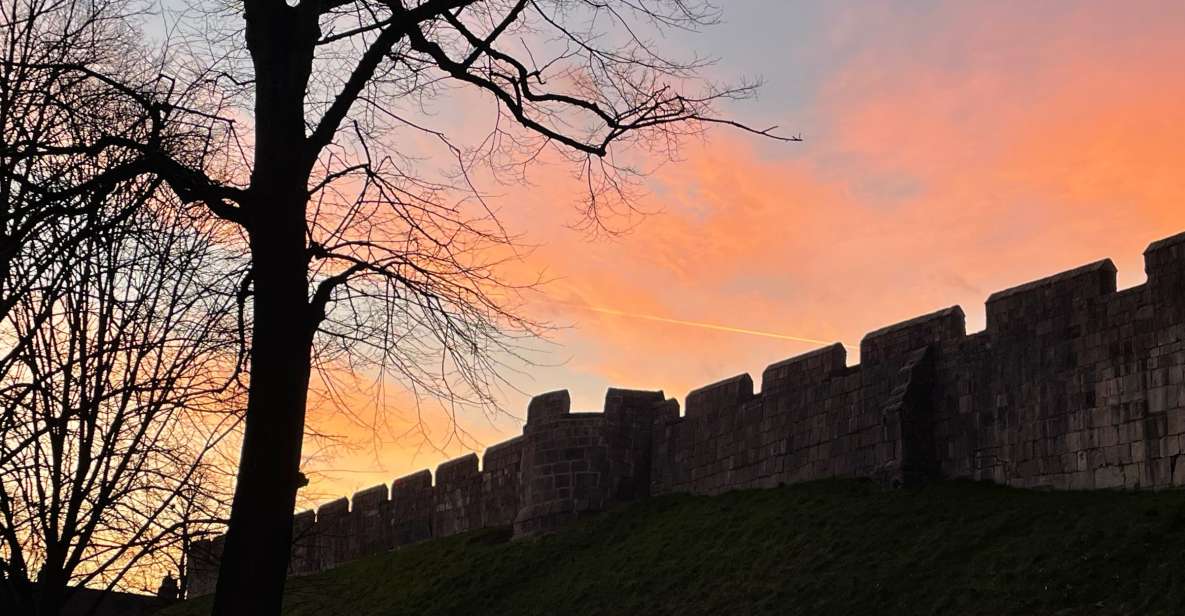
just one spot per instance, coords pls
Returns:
(370, 499)
(564, 465)
(415, 482)
(457, 472)
(804, 370)
(1024, 309)
(720, 396)
(334, 509)
(1164, 262)
(1165, 255)
(546, 407)
(1050, 394)
(502, 456)
(1072, 385)
(901, 338)
(625, 405)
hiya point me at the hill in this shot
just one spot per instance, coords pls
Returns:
(830, 547)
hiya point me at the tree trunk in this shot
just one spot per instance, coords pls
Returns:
(51, 594)
(258, 542)
(255, 559)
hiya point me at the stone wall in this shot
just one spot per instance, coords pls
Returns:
(574, 463)
(1072, 385)
(564, 464)
(815, 417)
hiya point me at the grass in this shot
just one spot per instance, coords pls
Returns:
(830, 547)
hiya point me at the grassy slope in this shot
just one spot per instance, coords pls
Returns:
(833, 547)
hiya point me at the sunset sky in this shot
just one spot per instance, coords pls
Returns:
(950, 150)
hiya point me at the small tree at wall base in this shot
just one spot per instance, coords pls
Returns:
(355, 251)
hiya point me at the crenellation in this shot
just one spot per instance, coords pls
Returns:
(896, 340)
(457, 497)
(1072, 385)
(629, 417)
(456, 471)
(548, 406)
(305, 558)
(500, 468)
(334, 533)
(1053, 305)
(334, 508)
(726, 395)
(1165, 259)
(411, 508)
(369, 499)
(811, 368)
(1164, 262)
(627, 405)
(371, 521)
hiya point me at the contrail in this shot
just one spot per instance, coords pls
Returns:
(711, 326)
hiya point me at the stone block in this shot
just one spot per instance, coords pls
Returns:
(1108, 477)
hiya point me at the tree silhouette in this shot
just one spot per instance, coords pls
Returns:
(111, 408)
(354, 249)
(112, 331)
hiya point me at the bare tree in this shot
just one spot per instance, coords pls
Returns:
(51, 188)
(42, 189)
(356, 251)
(111, 407)
(62, 207)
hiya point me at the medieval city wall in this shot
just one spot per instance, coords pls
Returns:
(565, 464)
(1072, 385)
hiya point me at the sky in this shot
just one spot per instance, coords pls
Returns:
(951, 149)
